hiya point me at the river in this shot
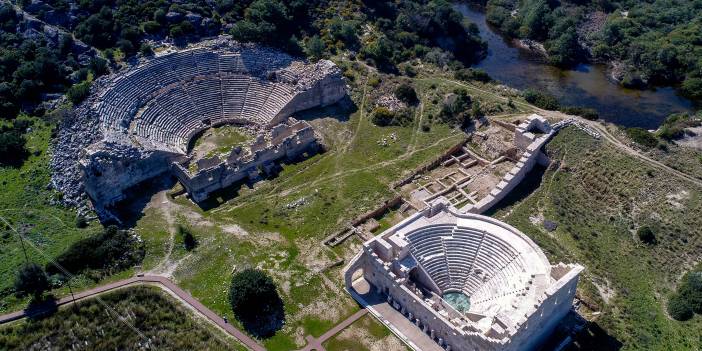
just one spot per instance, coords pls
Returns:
(586, 85)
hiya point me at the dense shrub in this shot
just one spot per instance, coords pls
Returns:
(189, 241)
(31, 280)
(81, 221)
(691, 290)
(382, 117)
(469, 74)
(12, 143)
(255, 302)
(584, 112)
(541, 99)
(646, 235)
(456, 109)
(678, 308)
(642, 137)
(674, 126)
(78, 92)
(406, 94)
(110, 251)
(688, 297)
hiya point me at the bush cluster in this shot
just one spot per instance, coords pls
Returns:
(674, 126)
(457, 109)
(541, 100)
(110, 251)
(688, 297)
(383, 117)
(12, 143)
(642, 137)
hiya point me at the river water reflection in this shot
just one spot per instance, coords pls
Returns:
(585, 85)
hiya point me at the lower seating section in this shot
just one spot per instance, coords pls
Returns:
(479, 264)
(162, 99)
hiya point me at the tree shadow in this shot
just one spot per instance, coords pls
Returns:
(42, 308)
(266, 323)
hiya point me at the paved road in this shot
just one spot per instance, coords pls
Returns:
(316, 343)
(165, 283)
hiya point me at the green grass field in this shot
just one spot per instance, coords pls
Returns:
(26, 206)
(162, 322)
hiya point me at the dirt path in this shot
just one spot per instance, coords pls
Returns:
(629, 150)
(165, 206)
(413, 142)
(166, 284)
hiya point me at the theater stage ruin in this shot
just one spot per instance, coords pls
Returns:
(146, 117)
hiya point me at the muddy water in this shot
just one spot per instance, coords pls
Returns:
(585, 85)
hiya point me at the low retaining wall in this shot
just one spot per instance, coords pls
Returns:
(429, 166)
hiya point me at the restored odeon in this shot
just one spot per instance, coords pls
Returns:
(443, 279)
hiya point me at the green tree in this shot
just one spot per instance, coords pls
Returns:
(189, 241)
(314, 47)
(678, 308)
(382, 116)
(12, 145)
(78, 92)
(646, 235)
(255, 301)
(31, 280)
(406, 93)
(691, 290)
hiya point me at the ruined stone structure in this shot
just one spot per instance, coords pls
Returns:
(529, 137)
(148, 115)
(283, 141)
(442, 279)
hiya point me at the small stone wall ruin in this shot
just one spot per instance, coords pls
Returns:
(284, 141)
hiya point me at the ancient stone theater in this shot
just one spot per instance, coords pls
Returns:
(141, 120)
(443, 279)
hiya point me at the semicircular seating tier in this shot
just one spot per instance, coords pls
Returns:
(163, 103)
(489, 262)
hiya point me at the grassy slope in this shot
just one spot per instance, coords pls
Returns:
(599, 197)
(164, 322)
(25, 203)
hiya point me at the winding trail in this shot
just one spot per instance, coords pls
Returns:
(629, 150)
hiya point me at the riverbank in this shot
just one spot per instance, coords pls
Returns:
(585, 85)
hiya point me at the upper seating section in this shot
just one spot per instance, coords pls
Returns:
(171, 97)
(470, 260)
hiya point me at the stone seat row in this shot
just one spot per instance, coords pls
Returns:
(126, 93)
(466, 259)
